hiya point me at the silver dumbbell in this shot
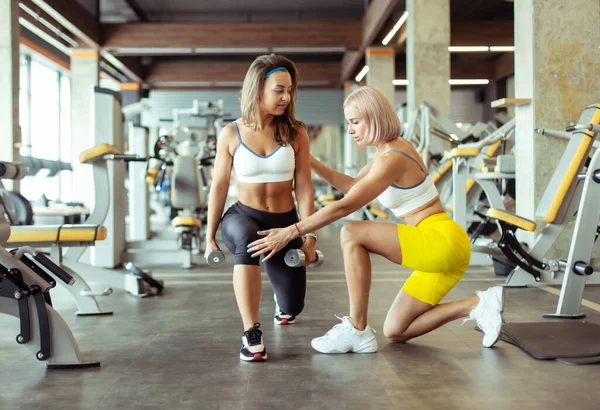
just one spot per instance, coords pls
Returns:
(215, 259)
(295, 258)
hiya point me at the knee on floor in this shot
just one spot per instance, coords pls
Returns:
(394, 335)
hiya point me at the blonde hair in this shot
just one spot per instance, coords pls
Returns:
(286, 126)
(378, 113)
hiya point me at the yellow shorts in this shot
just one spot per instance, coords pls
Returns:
(438, 250)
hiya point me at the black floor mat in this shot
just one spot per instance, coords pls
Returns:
(572, 342)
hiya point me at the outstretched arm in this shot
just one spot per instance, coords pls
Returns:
(381, 175)
(304, 190)
(339, 181)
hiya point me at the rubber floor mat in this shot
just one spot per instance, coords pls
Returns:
(556, 340)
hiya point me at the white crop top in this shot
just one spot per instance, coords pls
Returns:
(402, 200)
(252, 168)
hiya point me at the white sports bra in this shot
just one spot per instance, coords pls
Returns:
(401, 200)
(252, 168)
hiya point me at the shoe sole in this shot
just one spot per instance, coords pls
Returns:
(284, 322)
(256, 358)
(366, 351)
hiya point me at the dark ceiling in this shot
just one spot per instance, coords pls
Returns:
(148, 52)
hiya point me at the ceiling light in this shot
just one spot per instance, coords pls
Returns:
(299, 50)
(152, 51)
(502, 48)
(362, 73)
(44, 36)
(451, 82)
(468, 49)
(395, 29)
(469, 82)
(216, 50)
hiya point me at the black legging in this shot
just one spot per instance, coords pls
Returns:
(239, 227)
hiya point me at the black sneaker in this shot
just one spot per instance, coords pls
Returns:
(280, 318)
(253, 348)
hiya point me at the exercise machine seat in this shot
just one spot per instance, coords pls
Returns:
(96, 153)
(464, 152)
(186, 221)
(512, 219)
(56, 234)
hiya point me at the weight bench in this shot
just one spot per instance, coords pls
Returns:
(56, 237)
(24, 294)
(571, 194)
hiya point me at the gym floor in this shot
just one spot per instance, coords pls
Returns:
(180, 351)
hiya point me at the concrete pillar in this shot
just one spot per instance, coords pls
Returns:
(10, 136)
(510, 93)
(85, 75)
(382, 70)
(131, 93)
(427, 55)
(556, 65)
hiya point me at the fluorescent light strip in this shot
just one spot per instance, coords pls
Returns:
(44, 36)
(308, 49)
(451, 82)
(362, 73)
(468, 49)
(395, 29)
(469, 82)
(502, 48)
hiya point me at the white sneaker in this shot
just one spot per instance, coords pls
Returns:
(488, 314)
(345, 338)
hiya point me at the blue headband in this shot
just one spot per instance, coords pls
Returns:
(275, 70)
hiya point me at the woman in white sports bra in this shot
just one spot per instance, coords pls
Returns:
(269, 151)
(430, 243)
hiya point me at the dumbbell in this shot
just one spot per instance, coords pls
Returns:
(215, 259)
(295, 258)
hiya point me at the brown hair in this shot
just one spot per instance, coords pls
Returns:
(286, 126)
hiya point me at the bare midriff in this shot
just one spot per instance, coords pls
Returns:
(430, 208)
(275, 197)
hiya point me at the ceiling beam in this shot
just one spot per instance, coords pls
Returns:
(504, 66)
(130, 66)
(462, 69)
(402, 35)
(268, 35)
(482, 33)
(36, 22)
(73, 17)
(139, 12)
(195, 73)
(349, 63)
(474, 33)
(376, 15)
(374, 19)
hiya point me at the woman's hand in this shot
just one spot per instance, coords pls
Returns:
(309, 249)
(274, 240)
(211, 245)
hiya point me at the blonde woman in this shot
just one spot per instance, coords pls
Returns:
(269, 151)
(429, 242)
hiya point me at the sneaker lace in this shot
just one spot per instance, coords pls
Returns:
(254, 334)
(337, 328)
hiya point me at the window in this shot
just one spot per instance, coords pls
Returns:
(45, 120)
